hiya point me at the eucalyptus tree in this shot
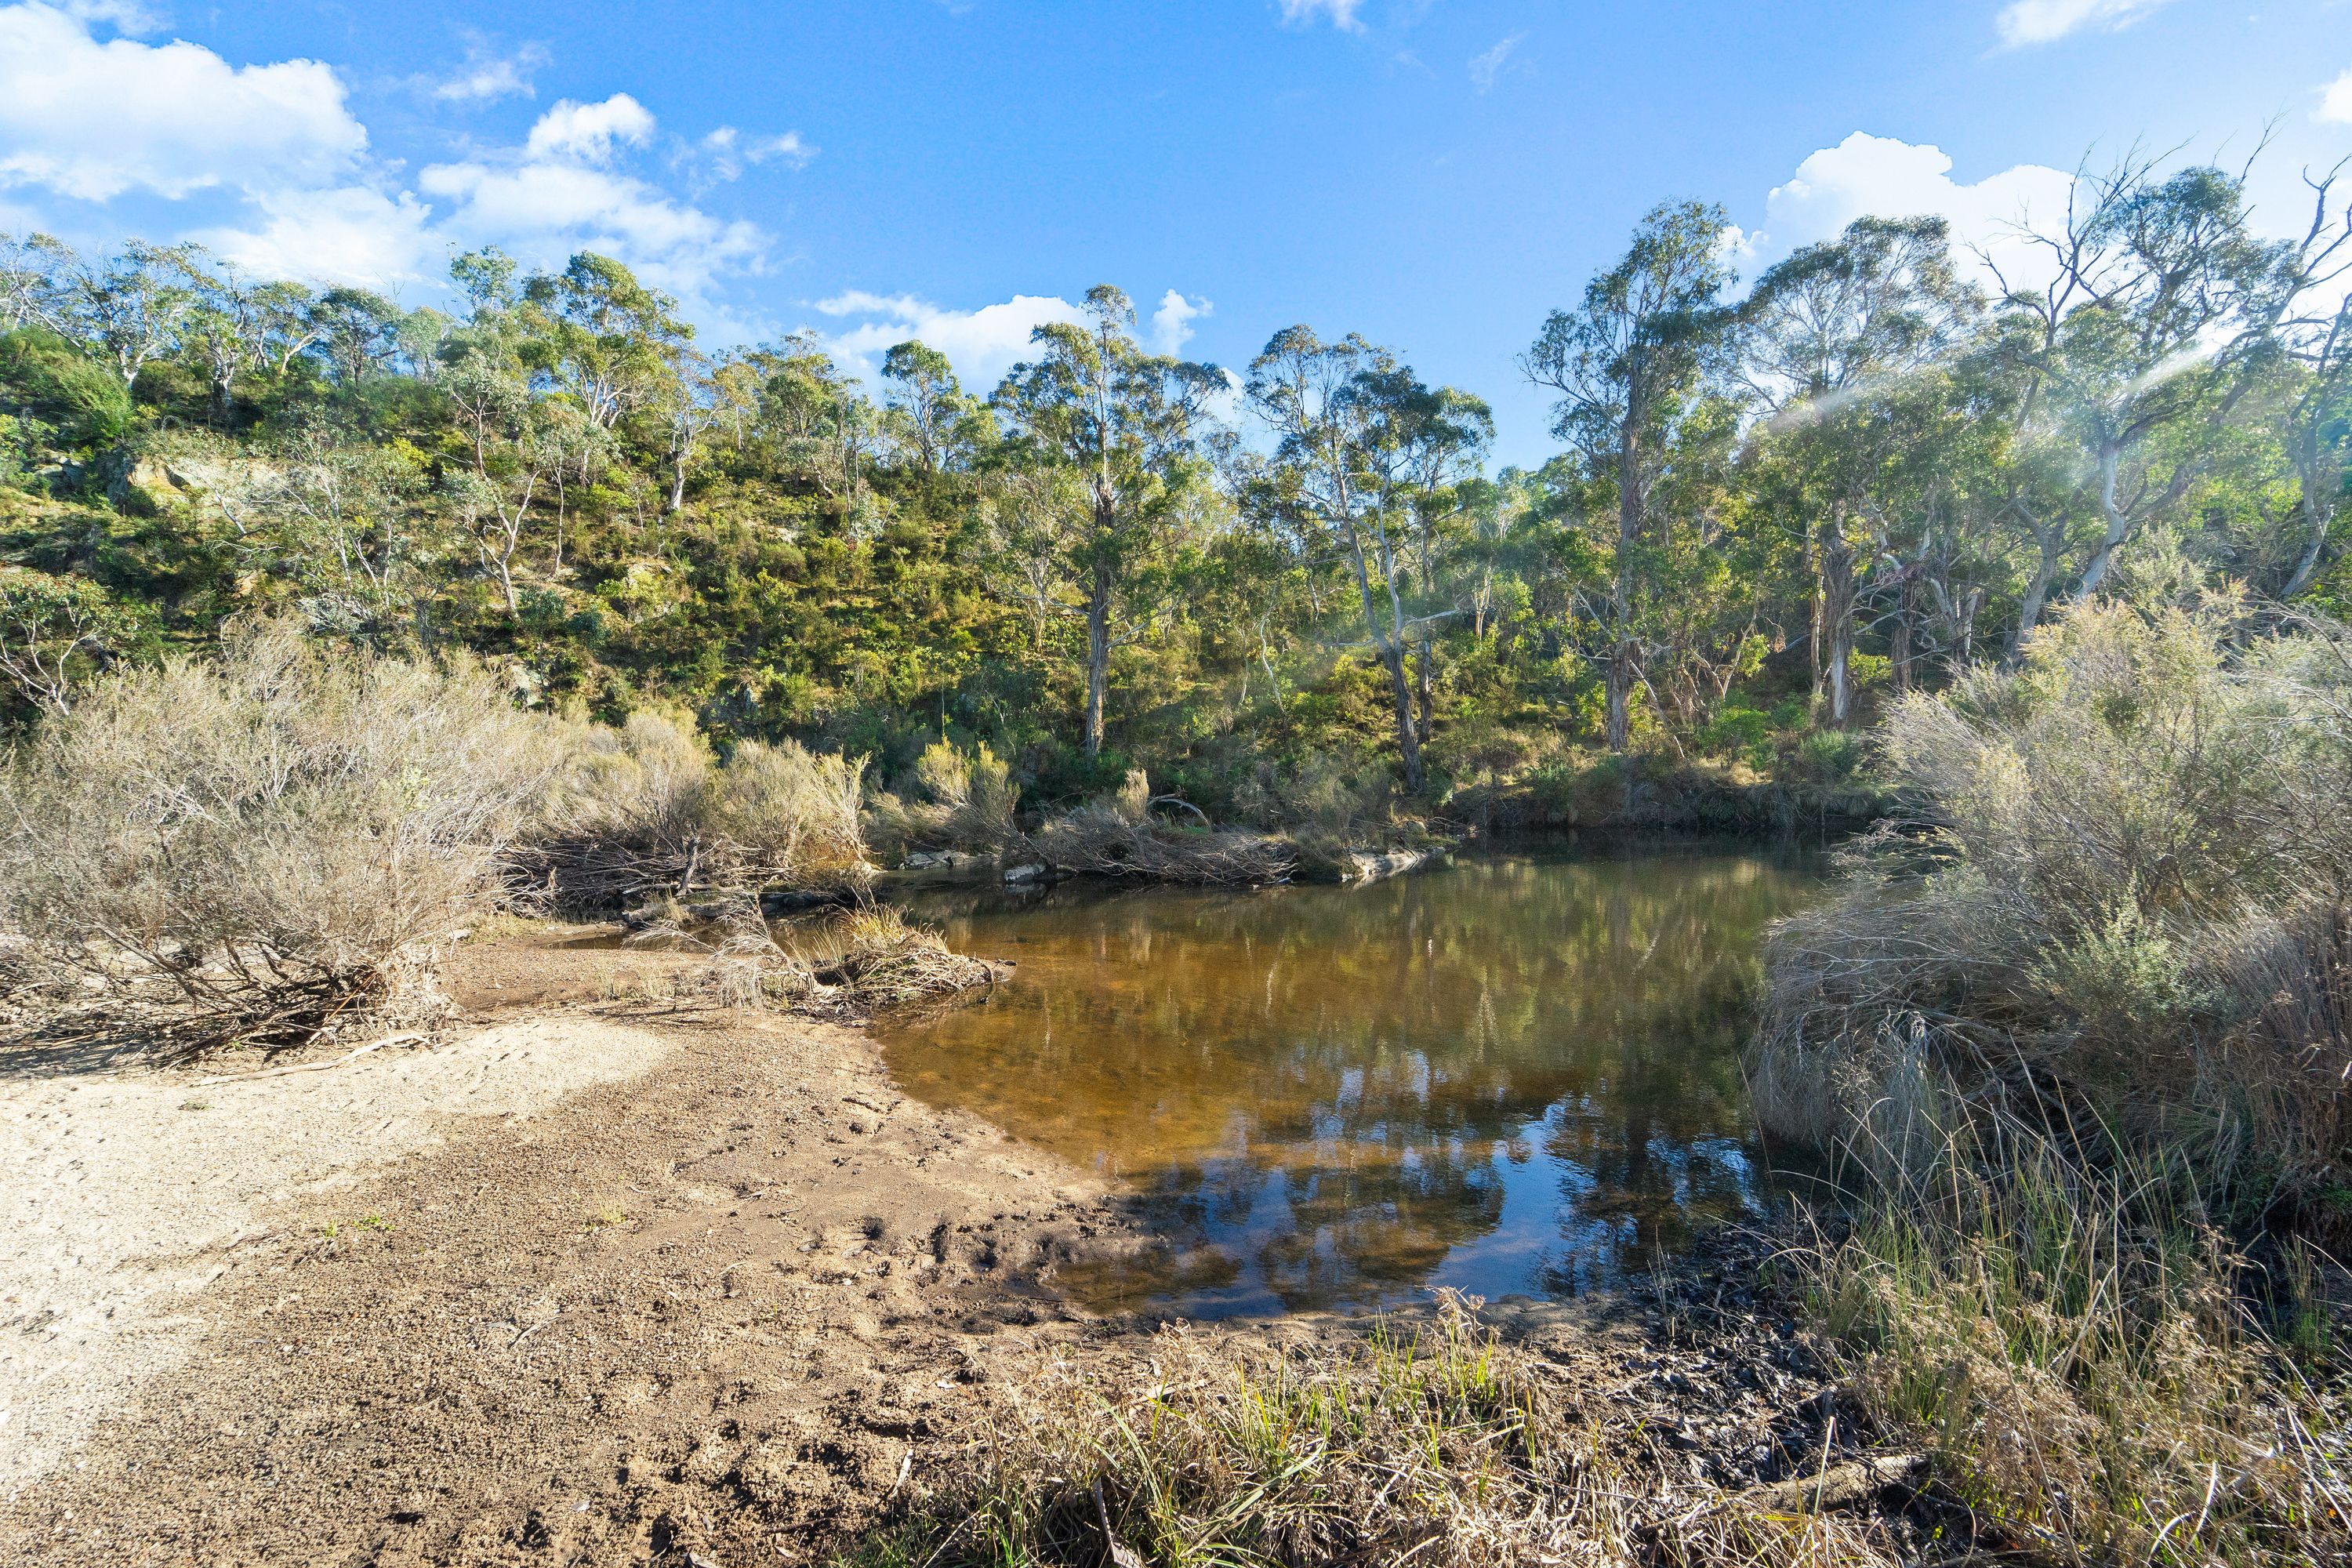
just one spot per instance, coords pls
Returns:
(1628, 363)
(1360, 442)
(2311, 346)
(358, 331)
(600, 336)
(928, 398)
(1445, 434)
(1841, 344)
(226, 335)
(24, 281)
(2136, 339)
(1130, 423)
(124, 309)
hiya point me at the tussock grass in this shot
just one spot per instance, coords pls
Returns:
(2077, 1346)
(1432, 1442)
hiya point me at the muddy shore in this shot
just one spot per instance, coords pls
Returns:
(720, 1297)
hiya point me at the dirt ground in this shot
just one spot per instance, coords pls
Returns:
(417, 1309)
(595, 1279)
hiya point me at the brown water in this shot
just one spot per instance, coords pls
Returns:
(1515, 1074)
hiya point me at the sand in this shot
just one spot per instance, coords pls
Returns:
(127, 1194)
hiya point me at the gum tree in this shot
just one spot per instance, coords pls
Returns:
(1128, 422)
(1627, 363)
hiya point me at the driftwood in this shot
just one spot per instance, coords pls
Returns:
(1103, 842)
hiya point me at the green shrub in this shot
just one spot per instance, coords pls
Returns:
(1734, 729)
(1830, 756)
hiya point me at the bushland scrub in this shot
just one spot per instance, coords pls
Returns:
(277, 844)
(2082, 1034)
(1853, 475)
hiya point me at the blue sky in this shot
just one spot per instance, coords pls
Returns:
(1434, 174)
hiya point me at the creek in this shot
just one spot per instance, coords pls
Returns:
(1516, 1073)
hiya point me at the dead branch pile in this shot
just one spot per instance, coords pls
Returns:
(1099, 842)
(1120, 837)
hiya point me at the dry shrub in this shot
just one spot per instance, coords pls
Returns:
(1436, 1444)
(645, 812)
(2087, 1022)
(266, 841)
(2126, 913)
(963, 802)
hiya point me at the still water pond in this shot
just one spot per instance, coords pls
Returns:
(1511, 1074)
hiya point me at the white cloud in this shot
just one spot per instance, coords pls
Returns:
(486, 77)
(2335, 100)
(983, 344)
(2024, 22)
(94, 120)
(590, 132)
(1483, 68)
(1880, 176)
(1342, 12)
(790, 149)
(1171, 324)
(123, 16)
(720, 156)
(346, 234)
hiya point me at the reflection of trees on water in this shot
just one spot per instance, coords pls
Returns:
(1328, 1085)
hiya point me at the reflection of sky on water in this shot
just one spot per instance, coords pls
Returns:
(1513, 1075)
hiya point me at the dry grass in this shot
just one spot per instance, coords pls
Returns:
(1432, 1443)
(263, 846)
(645, 813)
(962, 802)
(2077, 1348)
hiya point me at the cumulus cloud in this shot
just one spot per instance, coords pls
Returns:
(487, 76)
(345, 233)
(1484, 67)
(2025, 22)
(559, 194)
(123, 15)
(1302, 13)
(94, 120)
(590, 132)
(981, 344)
(275, 175)
(1880, 176)
(1171, 324)
(2335, 100)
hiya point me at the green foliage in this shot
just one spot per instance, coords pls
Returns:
(58, 395)
(1860, 464)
